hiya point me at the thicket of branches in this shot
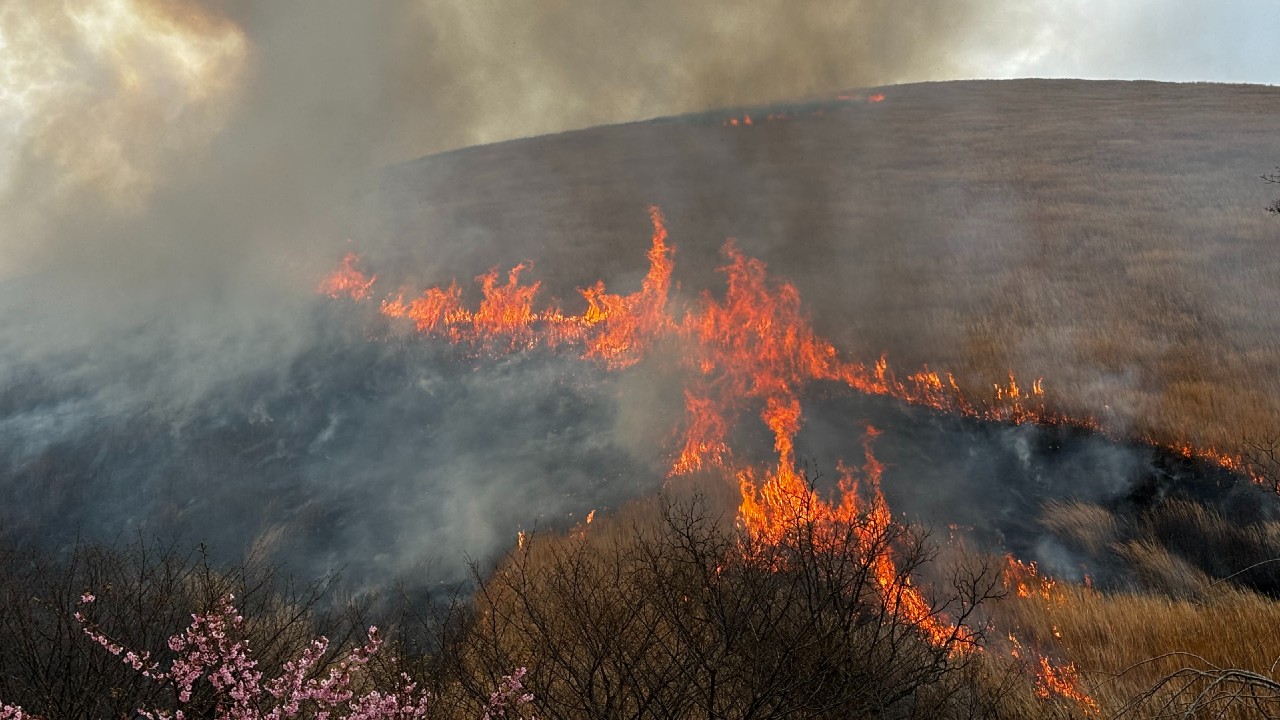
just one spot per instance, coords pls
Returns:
(687, 618)
(680, 617)
(678, 614)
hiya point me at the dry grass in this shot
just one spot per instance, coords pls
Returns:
(1110, 638)
(1153, 566)
(1083, 527)
(1175, 615)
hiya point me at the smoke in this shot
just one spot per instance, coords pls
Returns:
(238, 114)
(549, 66)
(205, 158)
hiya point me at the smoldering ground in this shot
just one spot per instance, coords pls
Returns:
(381, 459)
(1025, 490)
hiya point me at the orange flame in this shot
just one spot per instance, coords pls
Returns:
(615, 329)
(1054, 679)
(1064, 681)
(1025, 581)
(347, 280)
(784, 503)
(746, 120)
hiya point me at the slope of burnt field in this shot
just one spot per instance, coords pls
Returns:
(1105, 236)
(370, 456)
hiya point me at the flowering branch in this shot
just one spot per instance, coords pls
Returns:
(212, 648)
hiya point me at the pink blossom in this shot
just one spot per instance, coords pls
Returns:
(13, 712)
(211, 648)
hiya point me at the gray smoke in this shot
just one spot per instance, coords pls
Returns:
(180, 174)
(141, 186)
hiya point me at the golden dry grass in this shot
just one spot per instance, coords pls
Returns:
(1088, 528)
(1109, 637)
(1174, 613)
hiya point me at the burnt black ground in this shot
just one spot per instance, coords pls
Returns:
(396, 457)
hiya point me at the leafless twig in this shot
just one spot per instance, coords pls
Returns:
(1199, 688)
(1273, 178)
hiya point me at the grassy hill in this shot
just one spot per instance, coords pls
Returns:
(1107, 236)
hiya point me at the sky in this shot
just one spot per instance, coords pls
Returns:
(1181, 41)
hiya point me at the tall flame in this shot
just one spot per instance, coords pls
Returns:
(614, 329)
(771, 510)
(347, 280)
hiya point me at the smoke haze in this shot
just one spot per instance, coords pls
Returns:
(241, 119)
(175, 175)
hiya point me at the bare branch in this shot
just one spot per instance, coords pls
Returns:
(1273, 178)
(1200, 687)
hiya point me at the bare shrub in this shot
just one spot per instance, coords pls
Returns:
(1200, 688)
(1261, 455)
(1273, 178)
(684, 617)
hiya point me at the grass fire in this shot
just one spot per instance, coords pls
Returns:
(448, 360)
(753, 351)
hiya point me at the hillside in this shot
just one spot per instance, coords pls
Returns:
(1106, 236)
(780, 526)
